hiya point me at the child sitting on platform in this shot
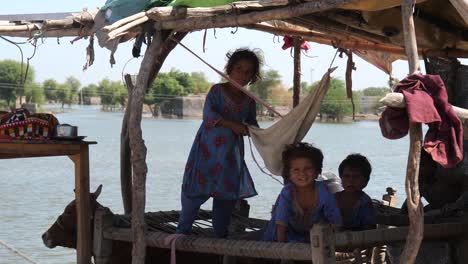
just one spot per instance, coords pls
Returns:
(355, 205)
(303, 201)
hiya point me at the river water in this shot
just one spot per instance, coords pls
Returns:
(35, 191)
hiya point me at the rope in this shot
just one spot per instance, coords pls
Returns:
(260, 167)
(17, 252)
(234, 83)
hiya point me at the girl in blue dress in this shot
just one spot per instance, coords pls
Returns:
(355, 205)
(215, 166)
(303, 201)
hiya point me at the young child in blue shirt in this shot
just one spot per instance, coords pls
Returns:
(355, 205)
(303, 201)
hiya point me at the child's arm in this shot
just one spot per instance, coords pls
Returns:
(252, 115)
(283, 211)
(238, 128)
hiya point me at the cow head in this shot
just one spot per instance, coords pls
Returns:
(63, 231)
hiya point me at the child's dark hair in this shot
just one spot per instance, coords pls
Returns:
(301, 150)
(244, 54)
(356, 161)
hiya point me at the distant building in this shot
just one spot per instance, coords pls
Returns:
(370, 104)
(182, 106)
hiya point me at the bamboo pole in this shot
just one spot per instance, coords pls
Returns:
(297, 70)
(413, 201)
(233, 20)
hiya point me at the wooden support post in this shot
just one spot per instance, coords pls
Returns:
(125, 163)
(390, 197)
(82, 196)
(322, 241)
(297, 41)
(379, 253)
(102, 247)
(413, 201)
(153, 59)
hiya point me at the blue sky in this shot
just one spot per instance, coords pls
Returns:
(54, 60)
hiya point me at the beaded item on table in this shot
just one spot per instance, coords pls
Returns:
(20, 124)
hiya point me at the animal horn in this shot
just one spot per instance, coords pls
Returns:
(98, 191)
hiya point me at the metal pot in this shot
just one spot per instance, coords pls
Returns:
(65, 130)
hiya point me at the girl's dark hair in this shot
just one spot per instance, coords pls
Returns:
(244, 54)
(356, 161)
(301, 150)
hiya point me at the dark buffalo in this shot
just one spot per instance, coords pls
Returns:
(64, 233)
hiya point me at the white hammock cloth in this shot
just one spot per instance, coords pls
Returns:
(292, 128)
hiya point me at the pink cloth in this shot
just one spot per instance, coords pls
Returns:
(289, 42)
(426, 102)
(170, 240)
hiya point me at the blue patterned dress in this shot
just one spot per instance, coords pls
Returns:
(362, 217)
(215, 166)
(298, 224)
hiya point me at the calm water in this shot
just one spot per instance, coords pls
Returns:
(35, 191)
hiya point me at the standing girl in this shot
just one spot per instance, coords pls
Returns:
(215, 166)
(303, 201)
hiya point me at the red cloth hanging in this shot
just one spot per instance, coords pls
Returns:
(427, 102)
(289, 42)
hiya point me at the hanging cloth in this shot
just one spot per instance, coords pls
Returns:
(293, 127)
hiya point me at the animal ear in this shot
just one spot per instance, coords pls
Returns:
(98, 191)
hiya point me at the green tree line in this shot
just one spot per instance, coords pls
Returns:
(14, 83)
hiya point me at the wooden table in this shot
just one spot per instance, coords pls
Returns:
(78, 152)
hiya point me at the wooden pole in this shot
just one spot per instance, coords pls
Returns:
(138, 151)
(125, 163)
(297, 70)
(152, 61)
(413, 201)
(322, 242)
(83, 243)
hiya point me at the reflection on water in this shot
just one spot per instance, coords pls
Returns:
(35, 191)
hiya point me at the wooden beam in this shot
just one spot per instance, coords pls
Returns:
(169, 13)
(72, 32)
(374, 237)
(330, 26)
(462, 8)
(233, 20)
(246, 248)
(293, 251)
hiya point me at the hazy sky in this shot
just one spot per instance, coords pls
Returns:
(58, 58)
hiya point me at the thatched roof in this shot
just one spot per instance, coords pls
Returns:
(441, 26)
